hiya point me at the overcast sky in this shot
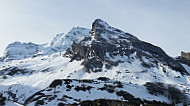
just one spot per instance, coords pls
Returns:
(165, 23)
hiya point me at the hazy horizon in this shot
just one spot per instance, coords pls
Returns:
(163, 23)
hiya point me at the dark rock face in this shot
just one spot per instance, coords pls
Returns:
(107, 43)
(55, 83)
(2, 100)
(170, 91)
(12, 71)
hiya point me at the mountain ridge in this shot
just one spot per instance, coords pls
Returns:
(99, 60)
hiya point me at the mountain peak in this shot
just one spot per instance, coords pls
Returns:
(99, 23)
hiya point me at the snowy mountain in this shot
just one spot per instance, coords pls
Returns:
(18, 50)
(101, 65)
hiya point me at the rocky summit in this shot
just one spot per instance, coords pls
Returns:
(88, 67)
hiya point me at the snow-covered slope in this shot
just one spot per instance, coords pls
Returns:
(18, 50)
(76, 91)
(27, 73)
(65, 41)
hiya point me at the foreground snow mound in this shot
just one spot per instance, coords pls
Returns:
(29, 71)
(69, 91)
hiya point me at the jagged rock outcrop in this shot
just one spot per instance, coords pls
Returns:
(183, 60)
(2, 100)
(185, 55)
